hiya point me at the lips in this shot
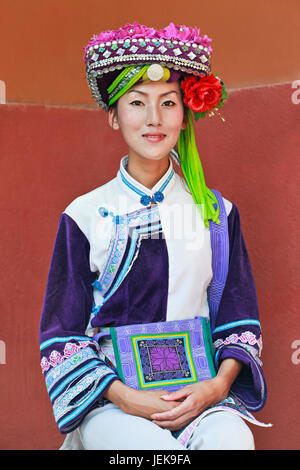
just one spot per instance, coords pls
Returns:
(154, 137)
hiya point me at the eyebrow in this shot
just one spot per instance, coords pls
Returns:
(146, 94)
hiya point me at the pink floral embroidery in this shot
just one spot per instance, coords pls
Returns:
(164, 359)
(70, 348)
(45, 365)
(56, 358)
(246, 337)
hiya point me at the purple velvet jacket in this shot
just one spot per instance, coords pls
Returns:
(135, 275)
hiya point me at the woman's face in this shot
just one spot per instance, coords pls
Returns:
(150, 117)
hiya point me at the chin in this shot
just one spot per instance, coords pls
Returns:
(156, 155)
(155, 158)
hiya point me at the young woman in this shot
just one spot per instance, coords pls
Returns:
(151, 246)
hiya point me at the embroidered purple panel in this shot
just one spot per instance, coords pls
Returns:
(163, 359)
(166, 355)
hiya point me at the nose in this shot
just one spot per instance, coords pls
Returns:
(153, 116)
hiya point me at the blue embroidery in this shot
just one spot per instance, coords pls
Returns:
(149, 216)
(227, 326)
(65, 367)
(220, 259)
(131, 186)
(61, 340)
(134, 239)
(85, 405)
(73, 376)
(216, 357)
(119, 242)
(167, 181)
(145, 198)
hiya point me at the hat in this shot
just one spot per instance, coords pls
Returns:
(179, 49)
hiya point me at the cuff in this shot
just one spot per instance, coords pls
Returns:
(70, 413)
(250, 386)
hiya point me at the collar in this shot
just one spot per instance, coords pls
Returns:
(140, 192)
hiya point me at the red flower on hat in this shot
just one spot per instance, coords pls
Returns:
(202, 94)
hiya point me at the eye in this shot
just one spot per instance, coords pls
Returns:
(136, 103)
(169, 103)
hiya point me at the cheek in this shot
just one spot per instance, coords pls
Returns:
(174, 120)
(130, 120)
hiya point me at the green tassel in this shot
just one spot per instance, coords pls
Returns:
(193, 172)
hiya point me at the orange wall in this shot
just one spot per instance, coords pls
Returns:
(51, 154)
(41, 42)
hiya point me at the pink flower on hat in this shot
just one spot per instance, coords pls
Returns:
(134, 30)
(204, 41)
(129, 31)
(184, 33)
(105, 36)
(179, 32)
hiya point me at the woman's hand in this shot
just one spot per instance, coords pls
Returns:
(146, 402)
(173, 410)
(138, 402)
(198, 397)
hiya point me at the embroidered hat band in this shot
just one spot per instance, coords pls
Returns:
(179, 48)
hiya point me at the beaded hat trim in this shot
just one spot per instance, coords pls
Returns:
(102, 58)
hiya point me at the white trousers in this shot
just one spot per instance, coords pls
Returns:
(109, 428)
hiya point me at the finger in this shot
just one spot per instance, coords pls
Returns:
(172, 414)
